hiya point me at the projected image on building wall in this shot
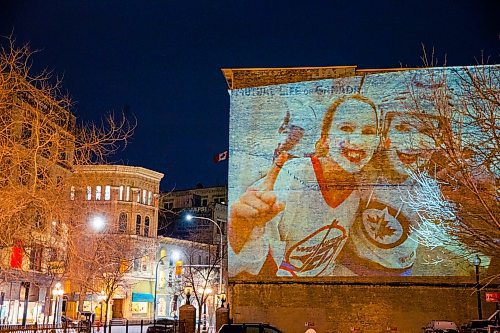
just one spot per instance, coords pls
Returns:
(326, 179)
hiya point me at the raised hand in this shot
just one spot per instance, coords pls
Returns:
(257, 206)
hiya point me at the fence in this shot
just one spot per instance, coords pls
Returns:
(161, 326)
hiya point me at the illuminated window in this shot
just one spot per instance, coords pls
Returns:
(163, 254)
(150, 198)
(107, 192)
(144, 197)
(122, 223)
(72, 193)
(98, 192)
(127, 198)
(121, 193)
(146, 226)
(162, 279)
(144, 263)
(138, 198)
(89, 193)
(138, 225)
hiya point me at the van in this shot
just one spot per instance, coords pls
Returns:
(440, 326)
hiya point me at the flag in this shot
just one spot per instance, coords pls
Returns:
(16, 257)
(221, 156)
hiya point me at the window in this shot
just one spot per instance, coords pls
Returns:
(107, 192)
(199, 259)
(136, 264)
(146, 226)
(89, 193)
(144, 197)
(207, 260)
(138, 225)
(138, 198)
(98, 192)
(204, 201)
(168, 205)
(26, 133)
(222, 225)
(122, 223)
(150, 198)
(62, 155)
(128, 194)
(144, 263)
(36, 258)
(72, 193)
(163, 256)
(121, 193)
(219, 200)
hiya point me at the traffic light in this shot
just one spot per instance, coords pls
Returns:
(178, 267)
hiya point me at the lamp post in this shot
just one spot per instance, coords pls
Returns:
(57, 292)
(189, 218)
(477, 262)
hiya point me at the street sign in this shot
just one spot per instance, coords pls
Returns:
(493, 297)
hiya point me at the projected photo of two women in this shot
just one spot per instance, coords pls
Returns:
(320, 179)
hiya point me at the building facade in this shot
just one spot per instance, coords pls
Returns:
(36, 156)
(121, 201)
(198, 215)
(331, 228)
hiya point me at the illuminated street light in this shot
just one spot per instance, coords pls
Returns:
(98, 222)
(189, 217)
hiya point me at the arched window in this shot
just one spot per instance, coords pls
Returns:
(122, 223)
(138, 225)
(146, 226)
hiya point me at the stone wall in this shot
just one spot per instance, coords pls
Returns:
(346, 307)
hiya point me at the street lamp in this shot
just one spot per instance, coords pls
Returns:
(477, 262)
(97, 222)
(189, 217)
(57, 292)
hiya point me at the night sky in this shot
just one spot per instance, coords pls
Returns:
(160, 61)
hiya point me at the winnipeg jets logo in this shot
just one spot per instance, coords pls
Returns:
(313, 253)
(383, 226)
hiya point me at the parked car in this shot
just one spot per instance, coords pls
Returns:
(478, 326)
(162, 326)
(440, 326)
(248, 328)
(68, 321)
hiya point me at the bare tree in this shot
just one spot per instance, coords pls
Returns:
(40, 144)
(457, 199)
(201, 275)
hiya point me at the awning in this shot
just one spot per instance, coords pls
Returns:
(142, 297)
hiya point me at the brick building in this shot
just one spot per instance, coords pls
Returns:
(342, 254)
(125, 198)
